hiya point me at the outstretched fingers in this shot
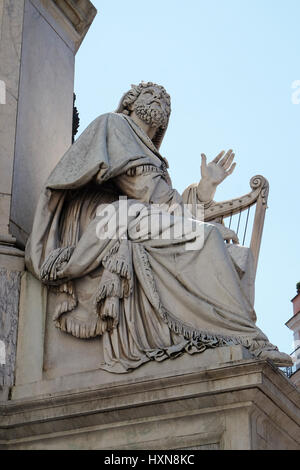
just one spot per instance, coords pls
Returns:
(226, 163)
(203, 163)
(219, 156)
(227, 156)
(228, 172)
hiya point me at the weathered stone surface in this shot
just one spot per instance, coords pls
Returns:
(39, 40)
(44, 122)
(66, 375)
(30, 353)
(9, 304)
(10, 56)
(74, 17)
(11, 258)
(246, 404)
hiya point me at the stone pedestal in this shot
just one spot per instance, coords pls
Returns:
(241, 404)
(222, 398)
(39, 40)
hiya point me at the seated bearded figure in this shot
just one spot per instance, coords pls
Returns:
(147, 294)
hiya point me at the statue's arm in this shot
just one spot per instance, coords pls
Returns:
(212, 174)
(148, 184)
(200, 196)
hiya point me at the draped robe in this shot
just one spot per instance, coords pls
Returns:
(147, 298)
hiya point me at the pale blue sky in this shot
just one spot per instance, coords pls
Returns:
(229, 66)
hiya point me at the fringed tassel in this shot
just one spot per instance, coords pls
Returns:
(110, 285)
(70, 303)
(111, 252)
(63, 307)
(113, 288)
(53, 263)
(116, 283)
(85, 330)
(108, 290)
(65, 288)
(119, 262)
(206, 338)
(110, 312)
(119, 266)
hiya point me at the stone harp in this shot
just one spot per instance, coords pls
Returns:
(224, 212)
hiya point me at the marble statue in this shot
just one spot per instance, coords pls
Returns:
(148, 297)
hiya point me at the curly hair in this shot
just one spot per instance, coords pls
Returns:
(136, 90)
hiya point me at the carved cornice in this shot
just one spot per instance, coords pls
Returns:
(80, 13)
(74, 16)
(294, 322)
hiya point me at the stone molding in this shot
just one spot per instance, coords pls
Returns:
(249, 404)
(75, 17)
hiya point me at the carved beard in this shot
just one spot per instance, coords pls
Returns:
(154, 116)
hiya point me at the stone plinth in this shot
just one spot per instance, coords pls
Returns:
(243, 404)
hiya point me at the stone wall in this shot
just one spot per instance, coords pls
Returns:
(45, 110)
(38, 43)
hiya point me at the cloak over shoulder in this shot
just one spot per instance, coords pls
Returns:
(109, 146)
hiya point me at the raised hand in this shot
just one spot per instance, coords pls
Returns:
(213, 173)
(217, 170)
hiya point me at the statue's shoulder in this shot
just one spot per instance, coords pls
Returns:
(113, 117)
(111, 120)
(117, 119)
(103, 123)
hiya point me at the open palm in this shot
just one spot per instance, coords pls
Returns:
(217, 170)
